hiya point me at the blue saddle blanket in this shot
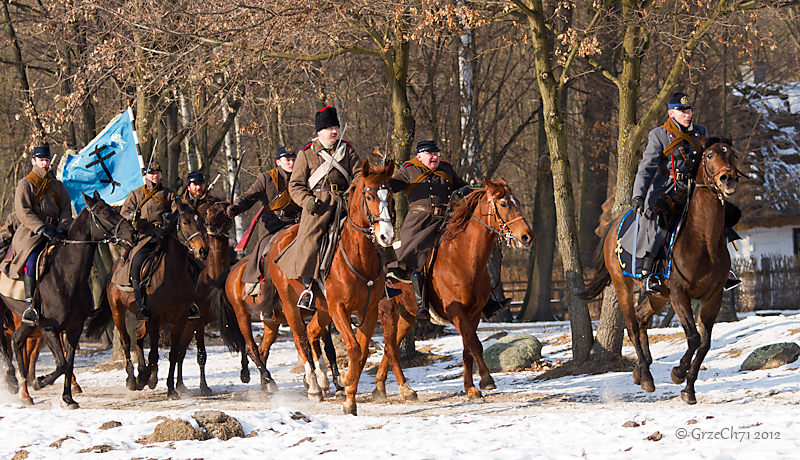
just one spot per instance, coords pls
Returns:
(624, 250)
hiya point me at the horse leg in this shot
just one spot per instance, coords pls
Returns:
(641, 373)
(330, 356)
(18, 340)
(247, 331)
(471, 344)
(303, 346)
(32, 347)
(151, 374)
(707, 315)
(682, 306)
(53, 342)
(70, 344)
(11, 378)
(341, 319)
(202, 357)
(363, 335)
(315, 330)
(270, 335)
(487, 382)
(176, 353)
(74, 382)
(118, 315)
(185, 340)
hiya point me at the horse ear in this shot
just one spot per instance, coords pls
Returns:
(487, 183)
(390, 169)
(96, 195)
(89, 200)
(365, 168)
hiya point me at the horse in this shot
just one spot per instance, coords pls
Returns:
(700, 262)
(65, 297)
(457, 284)
(167, 302)
(353, 287)
(218, 225)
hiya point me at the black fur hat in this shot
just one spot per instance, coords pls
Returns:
(325, 118)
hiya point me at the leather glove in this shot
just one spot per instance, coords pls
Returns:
(638, 204)
(312, 205)
(48, 232)
(62, 232)
(230, 211)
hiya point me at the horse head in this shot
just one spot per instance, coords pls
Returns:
(718, 167)
(107, 222)
(191, 231)
(508, 219)
(217, 221)
(376, 203)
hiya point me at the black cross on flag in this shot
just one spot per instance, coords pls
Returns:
(101, 159)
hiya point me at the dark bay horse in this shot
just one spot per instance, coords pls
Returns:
(354, 285)
(168, 301)
(700, 267)
(218, 225)
(458, 283)
(64, 293)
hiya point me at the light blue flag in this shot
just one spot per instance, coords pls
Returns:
(110, 164)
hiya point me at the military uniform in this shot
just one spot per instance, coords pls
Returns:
(662, 172)
(428, 193)
(199, 202)
(302, 257)
(278, 211)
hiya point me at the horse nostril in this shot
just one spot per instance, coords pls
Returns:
(526, 239)
(724, 178)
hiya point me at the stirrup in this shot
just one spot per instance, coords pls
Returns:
(655, 287)
(30, 317)
(193, 312)
(732, 282)
(399, 275)
(306, 300)
(142, 312)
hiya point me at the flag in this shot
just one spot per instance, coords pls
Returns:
(109, 164)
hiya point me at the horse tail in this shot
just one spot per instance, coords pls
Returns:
(226, 319)
(100, 318)
(601, 278)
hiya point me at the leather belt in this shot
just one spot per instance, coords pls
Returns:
(334, 188)
(437, 211)
(678, 176)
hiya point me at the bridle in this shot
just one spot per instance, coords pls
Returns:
(382, 194)
(503, 231)
(110, 235)
(185, 240)
(715, 175)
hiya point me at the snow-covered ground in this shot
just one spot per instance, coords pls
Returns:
(739, 414)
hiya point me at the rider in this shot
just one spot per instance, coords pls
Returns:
(151, 209)
(42, 205)
(323, 172)
(277, 211)
(196, 194)
(428, 182)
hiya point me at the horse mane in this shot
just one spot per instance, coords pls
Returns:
(461, 216)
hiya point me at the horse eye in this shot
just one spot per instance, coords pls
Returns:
(503, 204)
(369, 197)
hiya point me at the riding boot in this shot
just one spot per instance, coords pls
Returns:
(418, 282)
(732, 282)
(652, 283)
(30, 316)
(267, 312)
(141, 312)
(193, 312)
(494, 304)
(732, 235)
(394, 268)
(306, 300)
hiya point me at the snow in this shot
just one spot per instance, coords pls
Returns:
(569, 417)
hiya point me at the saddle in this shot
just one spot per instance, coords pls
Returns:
(152, 268)
(15, 288)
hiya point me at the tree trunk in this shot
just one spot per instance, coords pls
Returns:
(173, 149)
(470, 160)
(192, 161)
(536, 306)
(566, 227)
(232, 160)
(403, 123)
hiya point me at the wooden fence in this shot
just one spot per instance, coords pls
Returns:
(769, 283)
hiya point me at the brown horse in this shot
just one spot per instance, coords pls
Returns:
(700, 263)
(218, 225)
(65, 297)
(458, 283)
(353, 287)
(168, 302)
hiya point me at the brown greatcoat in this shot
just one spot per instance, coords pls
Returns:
(427, 202)
(302, 256)
(200, 203)
(52, 208)
(279, 211)
(147, 221)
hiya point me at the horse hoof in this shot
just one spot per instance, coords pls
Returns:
(206, 391)
(677, 379)
(72, 405)
(475, 395)
(350, 409)
(378, 395)
(340, 394)
(27, 401)
(152, 381)
(315, 397)
(648, 386)
(37, 384)
(408, 394)
(245, 376)
(305, 383)
(181, 388)
(488, 386)
(172, 394)
(130, 383)
(77, 389)
(637, 375)
(688, 398)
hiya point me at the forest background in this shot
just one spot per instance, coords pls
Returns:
(557, 97)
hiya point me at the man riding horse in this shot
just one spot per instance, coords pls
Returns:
(151, 209)
(196, 194)
(278, 211)
(43, 208)
(672, 155)
(322, 174)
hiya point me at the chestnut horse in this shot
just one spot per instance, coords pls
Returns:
(354, 285)
(457, 284)
(167, 302)
(65, 297)
(218, 225)
(700, 263)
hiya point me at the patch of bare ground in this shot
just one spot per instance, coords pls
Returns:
(587, 367)
(109, 366)
(794, 331)
(734, 353)
(655, 338)
(562, 339)
(417, 360)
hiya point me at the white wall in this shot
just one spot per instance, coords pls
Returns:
(760, 241)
